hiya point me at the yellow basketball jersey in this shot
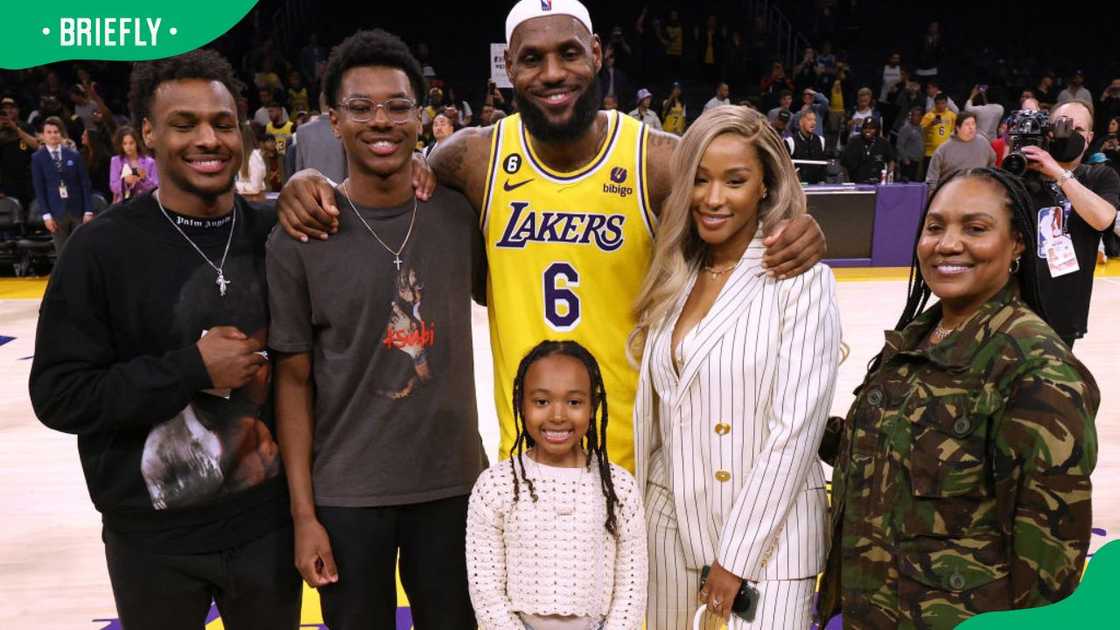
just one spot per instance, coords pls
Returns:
(567, 254)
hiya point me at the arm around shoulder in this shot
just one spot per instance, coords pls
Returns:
(461, 161)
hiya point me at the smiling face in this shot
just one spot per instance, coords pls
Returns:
(557, 408)
(967, 243)
(378, 146)
(727, 190)
(553, 62)
(193, 131)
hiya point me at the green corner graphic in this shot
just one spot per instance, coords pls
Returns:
(113, 30)
(1087, 607)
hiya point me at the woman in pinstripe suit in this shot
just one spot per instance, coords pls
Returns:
(737, 375)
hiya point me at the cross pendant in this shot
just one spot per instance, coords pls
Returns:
(397, 261)
(222, 282)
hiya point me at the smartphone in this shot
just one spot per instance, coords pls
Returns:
(982, 88)
(746, 600)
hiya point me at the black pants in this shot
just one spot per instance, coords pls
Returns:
(431, 538)
(256, 585)
(67, 223)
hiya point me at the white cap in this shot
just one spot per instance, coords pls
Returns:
(529, 9)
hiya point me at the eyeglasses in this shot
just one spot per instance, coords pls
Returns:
(397, 110)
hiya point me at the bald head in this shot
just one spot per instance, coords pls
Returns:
(1080, 111)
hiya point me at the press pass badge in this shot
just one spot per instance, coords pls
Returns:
(1060, 256)
(62, 192)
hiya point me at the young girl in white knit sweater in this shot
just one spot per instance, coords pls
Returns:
(556, 534)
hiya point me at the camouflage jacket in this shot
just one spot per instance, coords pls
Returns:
(961, 483)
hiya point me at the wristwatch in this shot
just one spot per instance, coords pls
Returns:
(1066, 175)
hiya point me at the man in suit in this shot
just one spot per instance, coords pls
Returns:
(317, 147)
(62, 185)
(613, 81)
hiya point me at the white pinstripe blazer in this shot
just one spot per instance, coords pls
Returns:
(734, 438)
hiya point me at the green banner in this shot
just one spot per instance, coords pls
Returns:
(34, 34)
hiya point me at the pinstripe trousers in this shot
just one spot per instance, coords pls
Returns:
(673, 587)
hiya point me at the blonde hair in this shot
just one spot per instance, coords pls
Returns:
(678, 246)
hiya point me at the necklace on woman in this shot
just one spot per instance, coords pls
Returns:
(221, 281)
(939, 333)
(396, 254)
(715, 273)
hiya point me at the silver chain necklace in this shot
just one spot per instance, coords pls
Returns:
(221, 281)
(396, 254)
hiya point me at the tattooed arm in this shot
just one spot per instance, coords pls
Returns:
(461, 162)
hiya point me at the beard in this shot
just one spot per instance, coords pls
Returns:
(583, 115)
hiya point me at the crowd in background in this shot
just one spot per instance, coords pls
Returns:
(907, 119)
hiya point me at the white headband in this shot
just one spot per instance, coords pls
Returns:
(529, 9)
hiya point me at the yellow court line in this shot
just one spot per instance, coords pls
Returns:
(22, 288)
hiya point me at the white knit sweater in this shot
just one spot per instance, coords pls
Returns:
(554, 556)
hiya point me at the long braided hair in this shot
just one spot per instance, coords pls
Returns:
(595, 440)
(1021, 206)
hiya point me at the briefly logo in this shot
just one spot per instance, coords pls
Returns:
(512, 163)
(618, 174)
(508, 186)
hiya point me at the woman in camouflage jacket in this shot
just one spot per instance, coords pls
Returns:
(961, 478)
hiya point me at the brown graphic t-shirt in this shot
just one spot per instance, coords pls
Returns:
(390, 342)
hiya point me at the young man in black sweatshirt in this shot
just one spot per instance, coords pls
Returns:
(149, 349)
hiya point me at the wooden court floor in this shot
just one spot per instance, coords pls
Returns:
(52, 565)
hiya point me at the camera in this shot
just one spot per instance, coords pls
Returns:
(1025, 128)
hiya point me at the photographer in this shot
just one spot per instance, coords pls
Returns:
(1078, 203)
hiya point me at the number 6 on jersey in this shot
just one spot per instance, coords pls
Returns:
(561, 305)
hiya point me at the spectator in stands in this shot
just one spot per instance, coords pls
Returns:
(908, 97)
(279, 127)
(892, 74)
(673, 112)
(317, 147)
(1045, 91)
(623, 53)
(868, 157)
(933, 89)
(937, 126)
(999, 143)
(132, 171)
(840, 93)
(774, 85)
(1109, 105)
(273, 163)
(930, 54)
(49, 106)
(298, 99)
(737, 66)
(463, 114)
(1109, 144)
(863, 111)
(806, 144)
(610, 103)
(805, 74)
(1030, 104)
(781, 122)
(963, 151)
(17, 144)
(266, 77)
(785, 102)
(722, 97)
(709, 44)
(987, 114)
(827, 66)
(62, 185)
(312, 60)
(84, 107)
(261, 118)
(442, 128)
(812, 101)
(250, 179)
(910, 148)
(97, 151)
(643, 113)
(1076, 90)
(612, 80)
(672, 38)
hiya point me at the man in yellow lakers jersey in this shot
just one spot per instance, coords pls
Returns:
(568, 198)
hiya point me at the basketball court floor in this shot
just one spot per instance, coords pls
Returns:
(52, 564)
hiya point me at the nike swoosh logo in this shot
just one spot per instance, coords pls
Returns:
(508, 187)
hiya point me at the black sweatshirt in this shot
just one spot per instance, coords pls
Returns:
(168, 464)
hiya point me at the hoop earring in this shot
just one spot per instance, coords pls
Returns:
(1015, 266)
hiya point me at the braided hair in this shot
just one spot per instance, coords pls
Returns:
(1021, 205)
(595, 440)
